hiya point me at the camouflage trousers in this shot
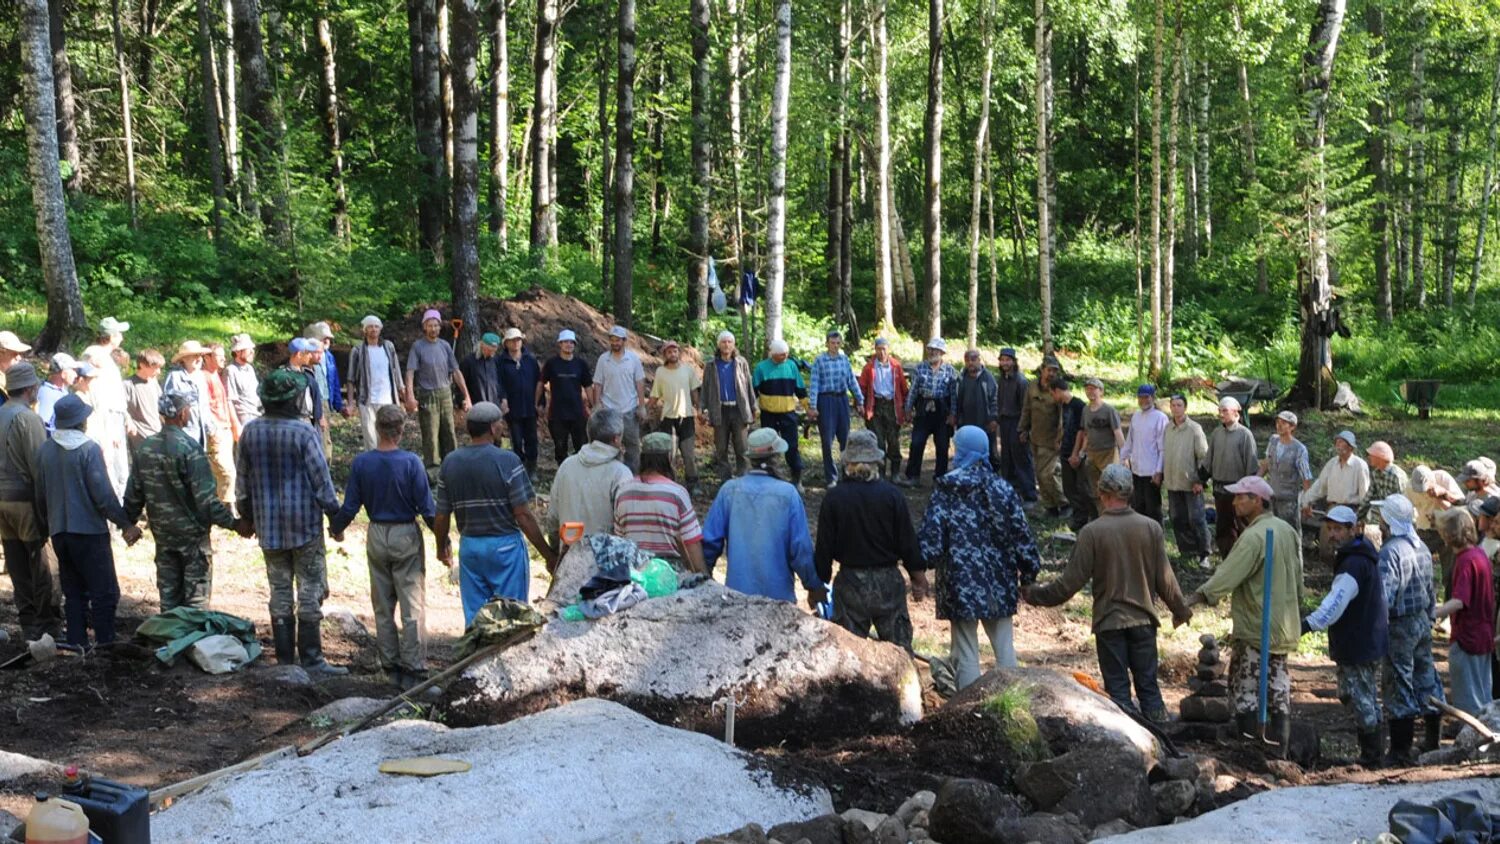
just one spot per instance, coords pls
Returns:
(1244, 681)
(866, 597)
(1410, 676)
(304, 567)
(1359, 693)
(185, 574)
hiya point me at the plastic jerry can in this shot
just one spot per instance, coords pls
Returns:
(117, 813)
(54, 821)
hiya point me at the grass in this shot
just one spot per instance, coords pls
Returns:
(1012, 708)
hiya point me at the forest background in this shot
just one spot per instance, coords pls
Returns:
(1180, 188)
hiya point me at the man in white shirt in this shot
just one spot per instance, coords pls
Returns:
(1345, 480)
(620, 385)
(1143, 453)
(107, 395)
(374, 377)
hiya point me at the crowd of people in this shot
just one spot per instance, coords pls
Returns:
(86, 450)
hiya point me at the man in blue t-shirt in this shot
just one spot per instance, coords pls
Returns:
(391, 485)
(563, 392)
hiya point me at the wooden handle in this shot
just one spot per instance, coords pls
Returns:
(1478, 725)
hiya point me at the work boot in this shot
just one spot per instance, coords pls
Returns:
(310, 648)
(1280, 732)
(1402, 730)
(284, 637)
(1369, 748)
(1433, 727)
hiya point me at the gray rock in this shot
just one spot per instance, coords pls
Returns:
(1469, 738)
(920, 802)
(1206, 709)
(351, 628)
(1118, 826)
(1044, 783)
(967, 812)
(1096, 782)
(855, 832)
(1043, 829)
(748, 834)
(1174, 797)
(871, 820)
(1306, 746)
(891, 831)
(347, 709)
(1189, 766)
(1287, 771)
(294, 676)
(824, 829)
(1453, 755)
(8, 824)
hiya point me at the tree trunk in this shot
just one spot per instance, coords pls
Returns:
(606, 168)
(499, 185)
(833, 243)
(39, 102)
(1251, 175)
(1315, 381)
(211, 120)
(263, 136)
(544, 68)
(229, 89)
(989, 207)
(1379, 169)
(932, 219)
(1454, 163)
(1044, 180)
(976, 187)
(122, 69)
(1417, 121)
(329, 88)
(885, 266)
(65, 103)
(661, 201)
(1159, 36)
(625, 165)
(1487, 187)
(445, 80)
(427, 121)
(732, 60)
(1169, 250)
(1135, 233)
(702, 155)
(781, 94)
(1204, 160)
(906, 276)
(464, 31)
(1189, 153)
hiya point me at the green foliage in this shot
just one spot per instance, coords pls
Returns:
(1011, 707)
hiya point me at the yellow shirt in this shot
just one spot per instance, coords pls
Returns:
(675, 388)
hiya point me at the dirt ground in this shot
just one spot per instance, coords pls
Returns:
(126, 717)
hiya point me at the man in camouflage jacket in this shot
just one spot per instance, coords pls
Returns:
(172, 482)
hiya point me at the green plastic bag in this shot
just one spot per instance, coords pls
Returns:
(658, 578)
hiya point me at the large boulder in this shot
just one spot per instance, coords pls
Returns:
(793, 676)
(592, 771)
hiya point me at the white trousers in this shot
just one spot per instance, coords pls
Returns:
(964, 646)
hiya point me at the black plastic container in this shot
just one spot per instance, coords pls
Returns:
(117, 813)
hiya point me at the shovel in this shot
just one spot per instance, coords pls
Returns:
(1265, 641)
(1491, 738)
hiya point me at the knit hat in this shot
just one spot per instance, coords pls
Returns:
(70, 410)
(835, 334)
(763, 443)
(862, 448)
(171, 404)
(1343, 515)
(20, 376)
(431, 313)
(282, 385)
(659, 442)
(779, 347)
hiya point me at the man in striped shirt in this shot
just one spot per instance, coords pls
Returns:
(778, 383)
(832, 382)
(656, 513)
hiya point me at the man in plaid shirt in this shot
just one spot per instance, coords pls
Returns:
(832, 382)
(1386, 479)
(283, 492)
(927, 405)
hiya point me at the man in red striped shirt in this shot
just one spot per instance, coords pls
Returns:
(656, 513)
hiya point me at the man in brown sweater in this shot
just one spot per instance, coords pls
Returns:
(1124, 555)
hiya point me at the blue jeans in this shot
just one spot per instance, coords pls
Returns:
(1016, 465)
(1470, 676)
(1126, 653)
(833, 423)
(785, 426)
(91, 592)
(924, 425)
(1410, 676)
(492, 567)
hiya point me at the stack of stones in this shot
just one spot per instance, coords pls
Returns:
(1209, 701)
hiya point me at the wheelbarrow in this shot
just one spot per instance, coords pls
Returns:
(1420, 393)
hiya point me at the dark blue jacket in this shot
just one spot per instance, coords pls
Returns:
(518, 380)
(1360, 634)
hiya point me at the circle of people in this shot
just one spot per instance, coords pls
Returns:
(218, 444)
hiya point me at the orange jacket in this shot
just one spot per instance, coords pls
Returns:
(867, 385)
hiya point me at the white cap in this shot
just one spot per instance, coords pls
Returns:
(620, 332)
(567, 336)
(63, 361)
(1229, 403)
(371, 321)
(11, 343)
(779, 347)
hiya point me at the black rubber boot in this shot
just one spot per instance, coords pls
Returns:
(1369, 748)
(1402, 730)
(1433, 737)
(1280, 732)
(310, 648)
(284, 637)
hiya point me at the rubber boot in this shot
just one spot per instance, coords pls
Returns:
(1245, 724)
(1280, 732)
(284, 636)
(310, 648)
(1402, 730)
(1433, 738)
(1369, 748)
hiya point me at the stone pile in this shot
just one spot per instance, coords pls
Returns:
(1209, 701)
